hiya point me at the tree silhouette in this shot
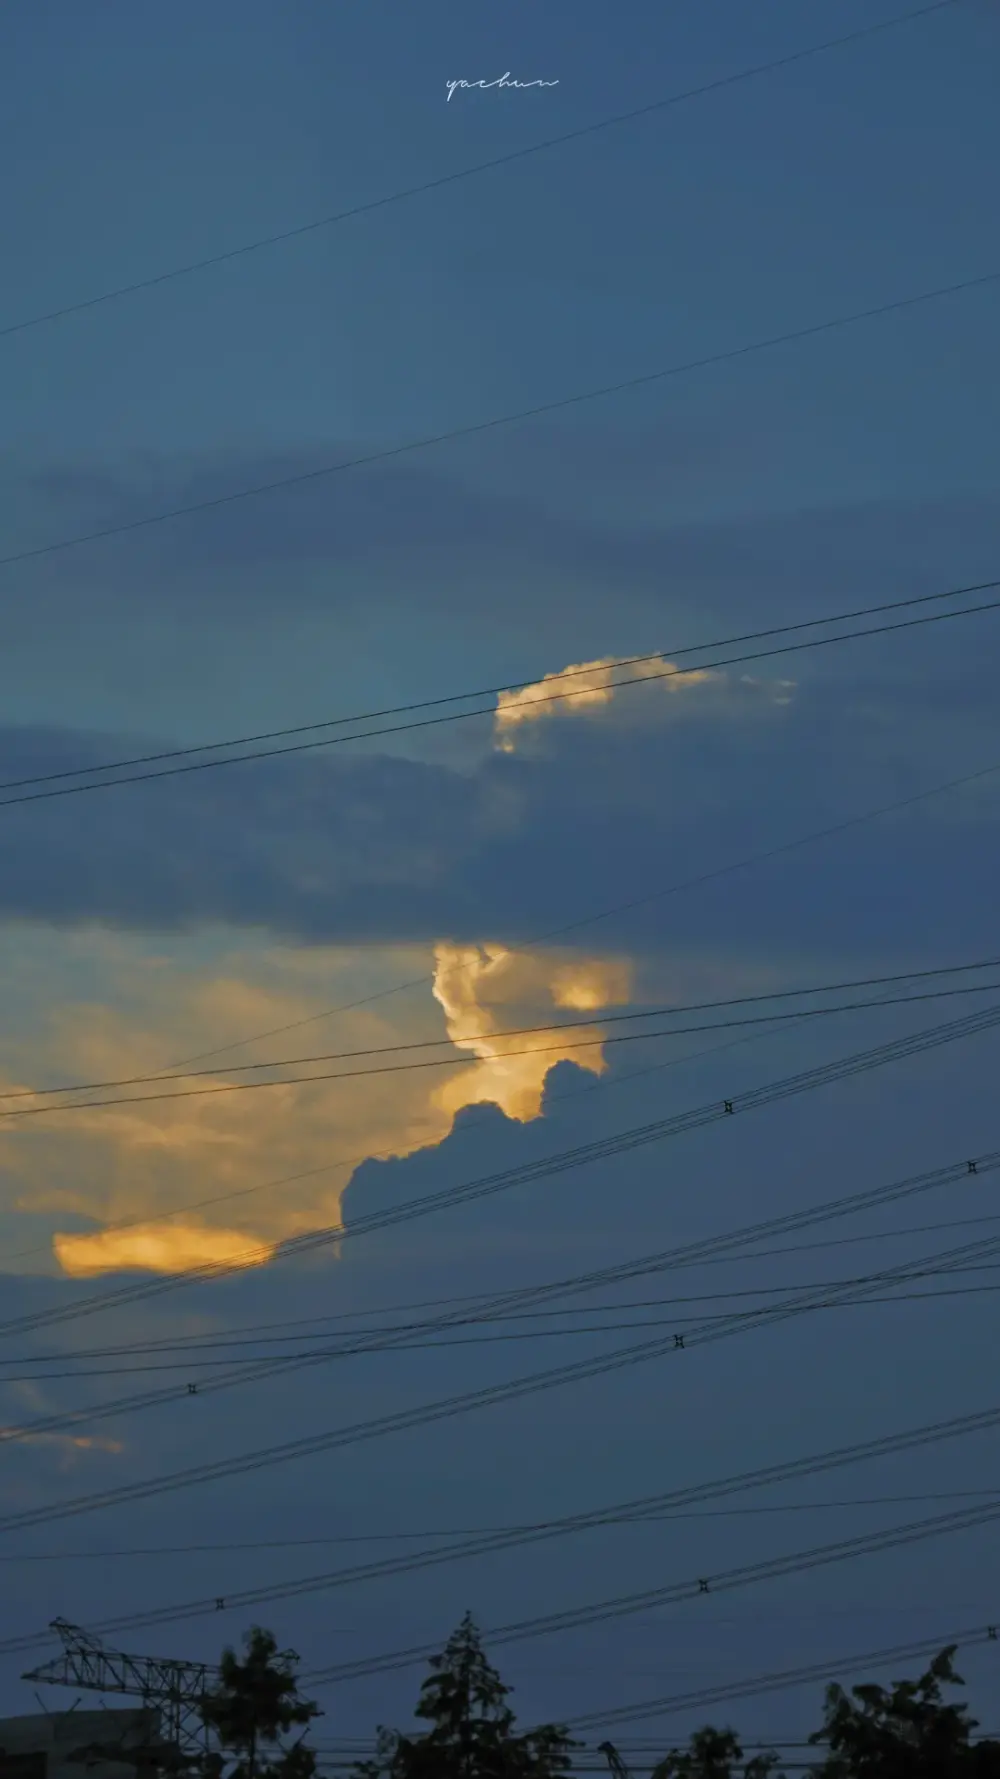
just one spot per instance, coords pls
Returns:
(255, 1704)
(472, 1733)
(906, 1732)
(715, 1754)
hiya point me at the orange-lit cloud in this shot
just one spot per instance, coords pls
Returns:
(131, 1164)
(77, 1441)
(156, 1247)
(592, 686)
(470, 981)
(585, 686)
(65, 1442)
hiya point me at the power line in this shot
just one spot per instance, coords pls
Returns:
(601, 1084)
(196, 1343)
(729, 356)
(628, 907)
(800, 54)
(524, 1031)
(450, 1407)
(346, 1746)
(651, 1507)
(757, 1684)
(582, 1762)
(467, 1060)
(315, 1325)
(966, 780)
(670, 671)
(344, 1754)
(498, 1307)
(645, 679)
(818, 1556)
(77, 1373)
(486, 1186)
(249, 1333)
(595, 1765)
(340, 1538)
(769, 1019)
(446, 179)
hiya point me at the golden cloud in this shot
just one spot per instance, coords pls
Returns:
(79, 1441)
(156, 1247)
(588, 685)
(592, 686)
(126, 1167)
(510, 1072)
(66, 1442)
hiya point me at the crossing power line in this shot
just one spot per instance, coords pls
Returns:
(566, 679)
(219, 1547)
(647, 899)
(488, 1396)
(965, 781)
(187, 1364)
(646, 1509)
(785, 1678)
(559, 1025)
(499, 1308)
(460, 1060)
(842, 1068)
(724, 1581)
(241, 1334)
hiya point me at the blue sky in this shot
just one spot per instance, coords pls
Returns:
(143, 926)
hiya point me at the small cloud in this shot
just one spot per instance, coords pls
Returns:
(592, 686)
(67, 1447)
(779, 691)
(66, 1442)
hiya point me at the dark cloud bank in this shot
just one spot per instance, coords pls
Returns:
(352, 847)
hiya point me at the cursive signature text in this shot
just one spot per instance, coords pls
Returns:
(505, 80)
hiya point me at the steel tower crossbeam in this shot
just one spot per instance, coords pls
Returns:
(174, 1688)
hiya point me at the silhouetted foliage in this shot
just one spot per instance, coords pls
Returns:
(472, 1734)
(904, 1732)
(255, 1703)
(715, 1754)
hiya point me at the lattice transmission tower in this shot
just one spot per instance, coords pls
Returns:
(174, 1689)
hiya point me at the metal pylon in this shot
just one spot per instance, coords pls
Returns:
(175, 1689)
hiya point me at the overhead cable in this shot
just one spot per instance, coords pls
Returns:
(668, 657)
(525, 1031)
(450, 1407)
(562, 1050)
(318, 1327)
(670, 1593)
(500, 1307)
(603, 1086)
(417, 1344)
(719, 84)
(561, 404)
(647, 1508)
(218, 1547)
(487, 1186)
(643, 679)
(755, 1685)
